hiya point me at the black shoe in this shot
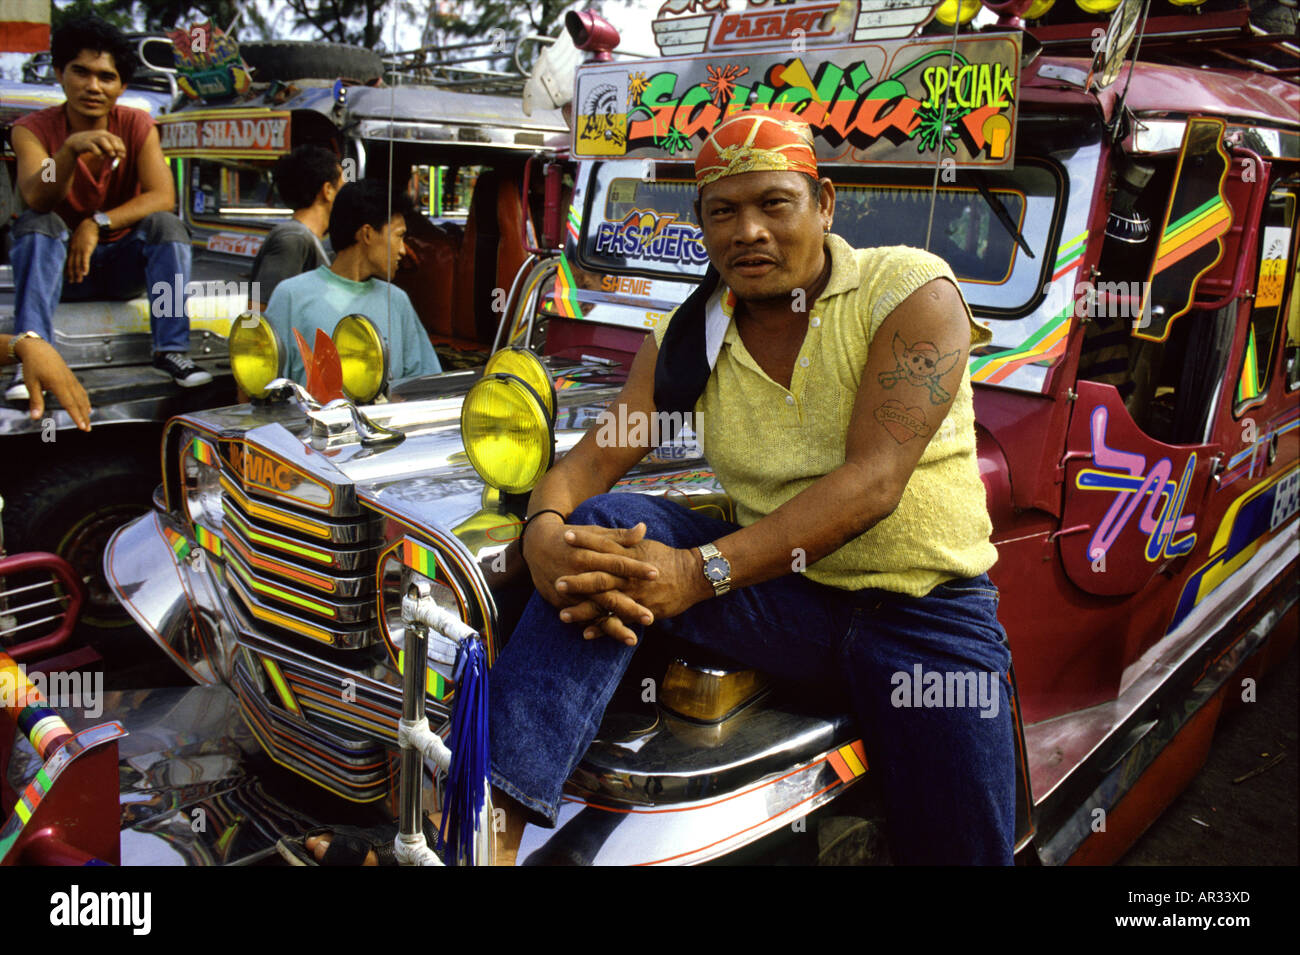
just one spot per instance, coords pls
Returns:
(183, 371)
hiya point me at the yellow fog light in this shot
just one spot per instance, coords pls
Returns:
(507, 433)
(951, 10)
(363, 356)
(520, 362)
(1038, 8)
(256, 353)
(1097, 6)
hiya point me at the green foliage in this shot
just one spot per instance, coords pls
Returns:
(114, 13)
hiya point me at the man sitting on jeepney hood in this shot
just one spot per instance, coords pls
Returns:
(831, 394)
(308, 180)
(99, 197)
(366, 232)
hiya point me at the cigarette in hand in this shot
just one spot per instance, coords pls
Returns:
(116, 160)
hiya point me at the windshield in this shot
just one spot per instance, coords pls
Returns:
(641, 220)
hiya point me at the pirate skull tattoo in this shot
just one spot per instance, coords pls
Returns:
(921, 365)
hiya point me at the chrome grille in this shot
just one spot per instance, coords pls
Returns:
(299, 571)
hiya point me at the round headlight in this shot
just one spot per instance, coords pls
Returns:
(363, 356)
(520, 362)
(201, 479)
(952, 10)
(507, 433)
(256, 353)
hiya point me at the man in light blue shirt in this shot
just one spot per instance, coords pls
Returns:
(368, 244)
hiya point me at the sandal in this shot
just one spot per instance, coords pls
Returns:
(348, 845)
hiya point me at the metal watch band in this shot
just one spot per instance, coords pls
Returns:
(13, 343)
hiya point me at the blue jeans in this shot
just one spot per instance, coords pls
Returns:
(156, 253)
(946, 768)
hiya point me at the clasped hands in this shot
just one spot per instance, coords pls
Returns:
(610, 577)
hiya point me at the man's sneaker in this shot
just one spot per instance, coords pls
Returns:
(17, 390)
(185, 372)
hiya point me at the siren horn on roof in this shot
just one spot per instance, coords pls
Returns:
(593, 33)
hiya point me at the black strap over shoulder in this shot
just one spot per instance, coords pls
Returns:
(682, 369)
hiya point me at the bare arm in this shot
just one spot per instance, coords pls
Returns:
(157, 191)
(42, 185)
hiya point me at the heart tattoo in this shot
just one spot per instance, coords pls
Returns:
(901, 422)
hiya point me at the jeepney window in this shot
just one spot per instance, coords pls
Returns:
(1276, 242)
(640, 219)
(221, 188)
(443, 192)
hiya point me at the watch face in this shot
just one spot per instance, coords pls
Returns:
(717, 569)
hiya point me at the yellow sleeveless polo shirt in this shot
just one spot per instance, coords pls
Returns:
(767, 443)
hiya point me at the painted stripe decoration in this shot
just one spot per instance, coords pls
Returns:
(565, 297)
(419, 559)
(281, 687)
(849, 762)
(1193, 231)
(204, 452)
(179, 545)
(1248, 384)
(24, 705)
(435, 684)
(207, 540)
(324, 610)
(1049, 340)
(574, 222)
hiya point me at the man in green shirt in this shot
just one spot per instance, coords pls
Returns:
(367, 226)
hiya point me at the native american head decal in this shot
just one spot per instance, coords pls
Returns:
(922, 365)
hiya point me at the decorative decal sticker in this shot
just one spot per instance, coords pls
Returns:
(1125, 473)
(645, 235)
(885, 103)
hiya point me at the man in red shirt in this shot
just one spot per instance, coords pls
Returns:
(99, 195)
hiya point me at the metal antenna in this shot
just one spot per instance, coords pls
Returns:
(943, 126)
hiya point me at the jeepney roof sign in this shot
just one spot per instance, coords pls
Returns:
(881, 103)
(227, 132)
(684, 27)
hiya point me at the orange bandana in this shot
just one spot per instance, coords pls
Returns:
(756, 141)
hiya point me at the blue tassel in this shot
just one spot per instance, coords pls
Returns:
(468, 773)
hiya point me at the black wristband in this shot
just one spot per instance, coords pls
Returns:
(532, 517)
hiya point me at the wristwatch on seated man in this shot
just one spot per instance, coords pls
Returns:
(103, 221)
(717, 570)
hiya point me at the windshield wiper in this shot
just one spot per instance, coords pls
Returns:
(1000, 211)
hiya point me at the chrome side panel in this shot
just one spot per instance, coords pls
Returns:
(170, 597)
(1090, 759)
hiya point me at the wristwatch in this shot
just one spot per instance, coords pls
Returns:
(103, 221)
(13, 343)
(717, 570)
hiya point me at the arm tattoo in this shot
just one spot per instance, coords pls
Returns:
(921, 365)
(901, 422)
